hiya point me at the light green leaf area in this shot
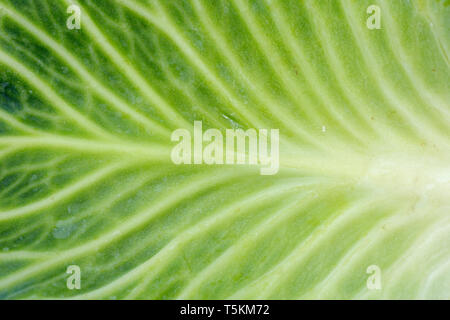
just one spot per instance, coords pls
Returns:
(86, 176)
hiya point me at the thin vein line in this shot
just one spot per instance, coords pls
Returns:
(51, 96)
(76, 66)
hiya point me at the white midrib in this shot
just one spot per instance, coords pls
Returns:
(397, 172)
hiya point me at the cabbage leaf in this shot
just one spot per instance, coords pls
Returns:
(86, 177)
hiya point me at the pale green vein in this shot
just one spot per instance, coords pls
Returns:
(256, 88)
(340, 72)
(382, 82)
(196, 103)
(62, 194)
(280, 67)
(164, 24)
(176, 246)
(37, 166)
(28, 168)
(17, 124)
(8, 151)
(248, 240)
(427, 243)
(418, 241)
(444, 268)
(126, 67)
(156, 263)
(110, 201)
(404, 60)
(25, 255)
(23, 231)
(346, 263)
(146, 151)
(439, 37)
(297, 52)
(96, 85)
(23, 51)
(51, 96)
(185, 191)
(279, 273)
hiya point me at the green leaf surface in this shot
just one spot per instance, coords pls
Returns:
(86, 176)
